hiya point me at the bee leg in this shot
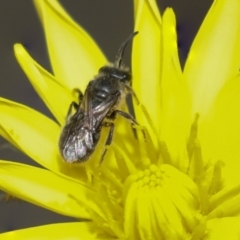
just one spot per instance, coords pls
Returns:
(72, 105)
(80, 94)
(132, 119)
(130, 90)
(109, 138)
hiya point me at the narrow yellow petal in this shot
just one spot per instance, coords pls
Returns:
(59, 231)
(35, 135)
(45, 189)
(219, 132)
(183, 193)
(168, 218)
(175, 114)
(227, 194)
(229, 208)
(214, 55)
(222, 228)
(130, 213)
(56, 96)
(146, 61)
(31, 132)
(143, 210)
(75, 57)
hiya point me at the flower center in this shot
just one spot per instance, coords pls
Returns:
(150, 177)
(162, 199)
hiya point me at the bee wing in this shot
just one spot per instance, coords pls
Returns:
(89, 109)
(103, 109)
(86, 107)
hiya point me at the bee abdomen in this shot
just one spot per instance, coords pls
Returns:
(79, 147)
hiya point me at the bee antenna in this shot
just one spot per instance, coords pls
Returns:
(119, 57)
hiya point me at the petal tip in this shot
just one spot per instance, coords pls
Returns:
(169, 15)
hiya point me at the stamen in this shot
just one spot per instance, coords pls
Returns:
(195, 167)
(152, 129)
(164, 154)
(216, 184)
(112, 211)
(192, 136)
(123, 161)
(223, 196)
(146, 147)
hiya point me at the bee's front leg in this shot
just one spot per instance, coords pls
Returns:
(80, 94)
(74, 105)
(130, 90)
(131, 119)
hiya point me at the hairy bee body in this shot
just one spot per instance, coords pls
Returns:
(97, 108)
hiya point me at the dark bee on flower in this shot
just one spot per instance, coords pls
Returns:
(97, 108)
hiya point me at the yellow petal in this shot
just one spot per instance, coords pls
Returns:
(227, 194)
(31, 132)
(182, 193)
(168, 217)
(45, 189)
(56, 96)
(214, 55)
(59, 231)
(143, 210)
(228, 208)
(146, 61)
(219, 132)
(75, 57)
(221, 228)
(175, 114)
(131, 216)
(35, 135)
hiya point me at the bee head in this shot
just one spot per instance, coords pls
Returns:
(117, 70)
(123, 76)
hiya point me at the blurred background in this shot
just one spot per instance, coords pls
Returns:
(109, 23)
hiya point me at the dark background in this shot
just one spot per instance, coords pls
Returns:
(109, 22)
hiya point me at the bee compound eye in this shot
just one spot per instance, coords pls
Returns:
(104, 70)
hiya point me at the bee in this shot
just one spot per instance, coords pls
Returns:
(97, 108)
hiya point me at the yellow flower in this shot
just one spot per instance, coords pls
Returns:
(183, 182)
